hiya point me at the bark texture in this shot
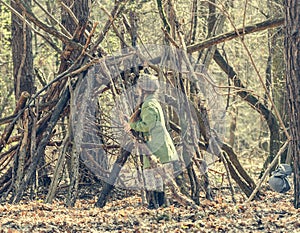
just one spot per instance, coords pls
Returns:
(292, 56)
(22, 54)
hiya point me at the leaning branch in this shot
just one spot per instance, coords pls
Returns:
(244, 93)
(234, 34)
(282, 149)
(114, 14)
(9, 128)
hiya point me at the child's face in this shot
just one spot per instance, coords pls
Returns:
(139, 91)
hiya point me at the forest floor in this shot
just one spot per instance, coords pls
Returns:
(273, 213)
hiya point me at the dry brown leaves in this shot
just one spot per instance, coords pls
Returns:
(274, 213)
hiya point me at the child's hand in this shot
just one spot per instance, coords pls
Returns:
(127, 127)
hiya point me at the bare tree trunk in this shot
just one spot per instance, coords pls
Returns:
(79, 10)
(292, 55)
(22, 54)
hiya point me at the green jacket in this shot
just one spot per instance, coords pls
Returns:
(152, 125)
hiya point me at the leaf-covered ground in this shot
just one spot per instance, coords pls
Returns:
(274, 213)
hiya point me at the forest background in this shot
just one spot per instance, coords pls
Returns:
(48, 47)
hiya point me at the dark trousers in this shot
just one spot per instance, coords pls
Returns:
(155, 199)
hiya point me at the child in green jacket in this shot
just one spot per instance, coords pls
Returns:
(150, 123)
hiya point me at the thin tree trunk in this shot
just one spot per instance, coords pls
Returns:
(22, 54)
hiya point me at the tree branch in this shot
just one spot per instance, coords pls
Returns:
(244, 93)
(51, 30)
(114, 13)
(234, 34)
(53, 18)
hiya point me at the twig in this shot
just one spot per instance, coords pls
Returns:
(9, 156)
(114, 13)
(73, 16)
(162, 15)
(33, 137)
(114, 27)
(7, 119)
(217, 172)
(63, 75)
(53, 18)
(169, 37)
(88, 41)
(8, 152)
